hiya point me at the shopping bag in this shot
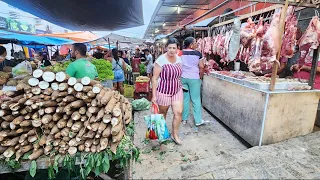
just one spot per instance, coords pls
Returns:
(156, 125)
(22, 70)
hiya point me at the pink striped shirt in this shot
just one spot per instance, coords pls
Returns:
(170, 76)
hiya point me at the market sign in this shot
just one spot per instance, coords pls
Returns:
(15, 25)
(3, 23)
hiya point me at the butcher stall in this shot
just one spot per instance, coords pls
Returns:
(256, 114)
(255, 103)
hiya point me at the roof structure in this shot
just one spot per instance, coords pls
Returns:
(84, 15)
(169, 13)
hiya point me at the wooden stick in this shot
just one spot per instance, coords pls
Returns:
(314, 66)
(281, 26)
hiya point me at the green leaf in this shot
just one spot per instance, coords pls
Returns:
(33, 168)
(82, 173)
(51, 174)
(56, 163)
(105, 165)
(26, 155)
(88, 170)
(98, 170)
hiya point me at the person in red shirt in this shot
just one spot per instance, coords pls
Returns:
(179, 52)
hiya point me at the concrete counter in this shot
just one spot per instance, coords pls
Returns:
(260, 117)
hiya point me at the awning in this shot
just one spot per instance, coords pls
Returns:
(84, 15)
(26, 39)
(204, 23)
(83, 36)
(123, 41)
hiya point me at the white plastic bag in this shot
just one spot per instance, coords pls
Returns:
(22, 70)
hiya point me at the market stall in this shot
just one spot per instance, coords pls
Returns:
(259, 109)
(49, 120)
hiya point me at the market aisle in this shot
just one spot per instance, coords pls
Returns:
(194, 157)
(214, 152)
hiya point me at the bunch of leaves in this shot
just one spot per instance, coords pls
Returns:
(130, 129)
(60, 66)
(126, 150)
(142, 68)
(104, 68)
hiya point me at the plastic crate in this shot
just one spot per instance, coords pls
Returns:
(142, 87)
(134, 76)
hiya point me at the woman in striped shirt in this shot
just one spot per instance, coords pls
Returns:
(167, 87)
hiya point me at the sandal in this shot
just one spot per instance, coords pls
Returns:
(175, 141)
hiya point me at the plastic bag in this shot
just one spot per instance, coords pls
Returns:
(141, 104)
(22, 70)
(156, 126)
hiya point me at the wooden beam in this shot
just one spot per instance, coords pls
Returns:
(271, 8)
(309, 5)
(314, 66)
(281, 29)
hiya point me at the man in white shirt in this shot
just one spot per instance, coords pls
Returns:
(148, 62)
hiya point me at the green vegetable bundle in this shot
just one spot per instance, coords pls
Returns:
(142, 68)
(60, 66)
(104, 68)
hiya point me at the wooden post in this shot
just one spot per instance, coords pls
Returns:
(275, 65)
(109, 43)
(314, 66)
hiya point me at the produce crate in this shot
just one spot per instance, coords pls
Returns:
(128, 91)
(147, 95)
(142, 87)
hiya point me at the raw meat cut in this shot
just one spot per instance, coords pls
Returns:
(309, 40)
(254, 61)
(247, 33)
(289, 38)
(234, 44)
(210, 66)
(207, 45)
(270, 43)
(214, 45)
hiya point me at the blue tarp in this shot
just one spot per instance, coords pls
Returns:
(26, 39)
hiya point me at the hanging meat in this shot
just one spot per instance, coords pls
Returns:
(289, 38)
(309, 40)
(214, 45)
(255, 61)
(270, 43)
(200, 45)
(234, 44)
(247, 33)
(207, 45)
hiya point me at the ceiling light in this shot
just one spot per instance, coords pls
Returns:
(152, 34)
(156, 31)
(179, 9)
(164, 24)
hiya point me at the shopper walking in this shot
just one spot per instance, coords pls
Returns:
(192, 73)
(168, 90)
(118, 68)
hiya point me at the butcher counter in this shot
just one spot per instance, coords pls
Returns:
(260, 117)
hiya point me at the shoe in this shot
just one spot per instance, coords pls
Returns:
(184, 122)
(174, 140)
(201, 123)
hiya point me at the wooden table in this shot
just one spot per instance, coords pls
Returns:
(260, 117)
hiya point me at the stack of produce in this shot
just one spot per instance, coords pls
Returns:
(142, 79)
(59, 66)
(104, 69)
(56, 114)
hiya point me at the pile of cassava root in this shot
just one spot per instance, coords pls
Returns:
(53, 113)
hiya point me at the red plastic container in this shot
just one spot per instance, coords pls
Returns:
(136, 64)
(142, 87)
